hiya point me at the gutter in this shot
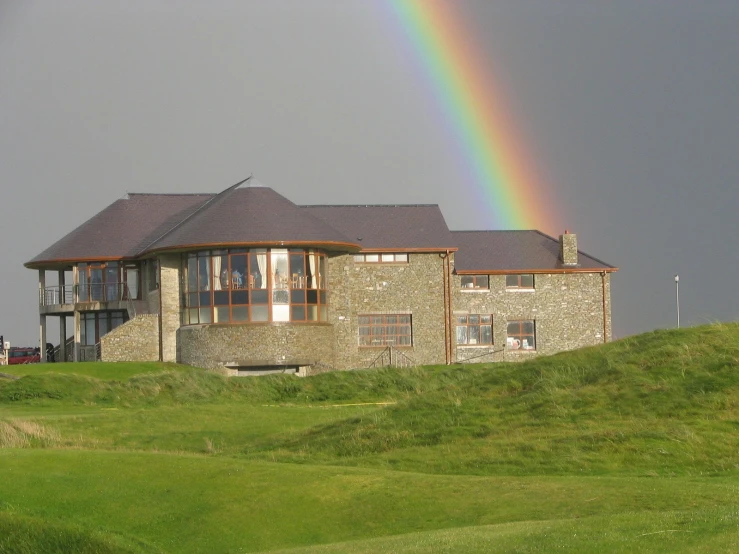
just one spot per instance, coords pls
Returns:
(605, 319)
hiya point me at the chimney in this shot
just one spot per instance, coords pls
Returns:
(568, 249)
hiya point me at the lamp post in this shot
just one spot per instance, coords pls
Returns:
(677, 298)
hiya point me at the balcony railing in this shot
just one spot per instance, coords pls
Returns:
(51, 296)
(89, 353)
(90, 292)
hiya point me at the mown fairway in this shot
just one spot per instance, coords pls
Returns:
(628, 447)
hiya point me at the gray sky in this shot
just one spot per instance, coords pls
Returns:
(627, 109)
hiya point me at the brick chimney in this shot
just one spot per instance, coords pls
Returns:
(568, 249)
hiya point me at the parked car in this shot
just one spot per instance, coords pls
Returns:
(23, 355)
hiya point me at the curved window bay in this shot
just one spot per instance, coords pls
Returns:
(242, 285)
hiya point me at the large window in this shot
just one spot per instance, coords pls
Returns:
(519, 281)
(521, 335)
(475, 329)
(384, 258)
(385, 330)
(253, 285)
(475, 282)
(93, 325)
(107, 282)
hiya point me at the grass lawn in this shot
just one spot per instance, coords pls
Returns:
(627, 447)
(99, 370)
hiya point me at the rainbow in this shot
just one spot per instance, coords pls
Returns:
(474, 110)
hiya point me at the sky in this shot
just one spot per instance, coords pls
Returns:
(626, 114)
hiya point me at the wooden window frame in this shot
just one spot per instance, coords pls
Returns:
(362, 258)
(474, 282)
(479, 325)
(518, 285)
(192, 300)
(383, 340)
(519, 336)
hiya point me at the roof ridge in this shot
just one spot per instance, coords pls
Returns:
(493, 230)
(193, 214)
(367, 205)
(170, 194)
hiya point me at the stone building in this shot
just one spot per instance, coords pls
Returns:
(247, 280)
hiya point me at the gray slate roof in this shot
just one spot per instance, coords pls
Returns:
(404, 227)
(251, 215)
(254, 215)
(123, 229)
(486, 251)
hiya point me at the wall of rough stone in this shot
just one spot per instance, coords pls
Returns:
(568, 249)
(414, 288)
(257, 345)
(567, 310)
(137, 340)
(169, 295)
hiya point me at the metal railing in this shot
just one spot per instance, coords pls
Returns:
(64, 352)
(51, 296)
(89, 292)
(391, 357)
(90, 353)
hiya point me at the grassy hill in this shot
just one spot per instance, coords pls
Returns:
(629, 446)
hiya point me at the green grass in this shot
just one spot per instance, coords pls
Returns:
(99, 370)
(630, 446)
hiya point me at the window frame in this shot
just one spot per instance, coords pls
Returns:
(363, 258)
(249, 284)
(519, 277)
(521, 335)
(369, 321)
(467, 324)
(473, 282)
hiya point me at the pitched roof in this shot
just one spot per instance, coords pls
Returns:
(251, 215)
(384, 227)
(487, 251)
(123, 229)
(254, 215)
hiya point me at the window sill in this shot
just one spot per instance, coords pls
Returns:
(519, 290)
(474, 290)
(383, 346)
(475, 345)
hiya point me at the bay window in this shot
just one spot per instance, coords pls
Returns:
(242, 285)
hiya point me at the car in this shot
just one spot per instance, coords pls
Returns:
(23, 355)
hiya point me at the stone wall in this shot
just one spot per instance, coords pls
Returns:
(567, 310)
(169, 297)
(414, 288)
(257, 345)
(137, 340)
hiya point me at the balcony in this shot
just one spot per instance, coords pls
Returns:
(64, 298)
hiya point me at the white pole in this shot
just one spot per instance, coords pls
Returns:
(677, 298)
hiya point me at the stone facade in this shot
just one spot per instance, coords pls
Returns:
(567, 309)
(137, 340)
(568, 249)
(257, 345)
(414, 288)
(169, 299)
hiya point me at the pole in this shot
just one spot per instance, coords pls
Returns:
(677, 298)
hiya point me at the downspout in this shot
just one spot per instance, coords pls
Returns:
(161, 344)
(445, 281)
(448, 307)
(605, 319)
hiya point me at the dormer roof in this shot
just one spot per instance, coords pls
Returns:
(252, 216)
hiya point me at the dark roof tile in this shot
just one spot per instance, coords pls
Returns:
(251, 215)
(123, 229)
(514, 251)
(381, 227)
